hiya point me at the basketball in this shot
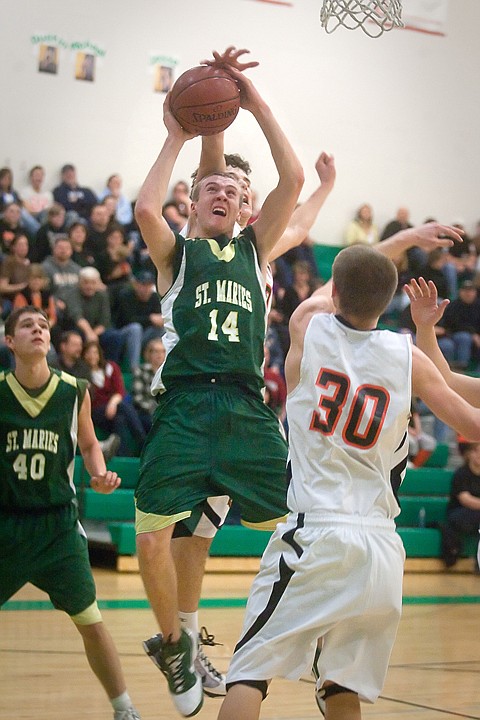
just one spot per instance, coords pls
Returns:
(205, 100)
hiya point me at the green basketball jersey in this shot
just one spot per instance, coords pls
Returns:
(38, 439)
(215, 312)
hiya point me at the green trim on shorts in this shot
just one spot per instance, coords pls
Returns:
(149, 522)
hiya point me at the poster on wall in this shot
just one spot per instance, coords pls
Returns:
(162, 68)
(85, 66)
(163, 78)
(47, 59)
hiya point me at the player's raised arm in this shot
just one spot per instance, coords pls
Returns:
(426, 313)
(280, 203)
(452, 409)
(158, 236)
(306, 213)
(427, 237)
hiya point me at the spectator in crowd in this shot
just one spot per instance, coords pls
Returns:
(303, 285)
(463, 257)
(463, 511)
(302, 253)
(434, 270)
(88, 310)
(44, 240)
(77, 234)
(420, 444)
(111, 204)
(112, 263)
(8, 195)
(140, 303)
(123, 207)
(15, 268)
(35, 199)
(38, 293)
(459, 330)
(476, 237)
(62, 271)
(10, 227)
(111, 412)
(69, 355)
(401, 222)
(362, 230)
(173, 216)
(181, 198)
(98, 228)
(77, 200)
(143, 400)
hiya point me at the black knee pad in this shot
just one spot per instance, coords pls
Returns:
(261, 685)
(333, 689)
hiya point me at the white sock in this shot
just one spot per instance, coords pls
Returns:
(122, 702)
(189, 620)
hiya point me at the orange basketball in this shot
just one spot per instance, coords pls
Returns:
(205, 100)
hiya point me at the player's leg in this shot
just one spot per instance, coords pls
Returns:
(179, 647)
(190, 556)
(192, 539)
(65, 574)
(242, 702)
(104, 661)
(159, 578)
(171, 484)
(340, 703)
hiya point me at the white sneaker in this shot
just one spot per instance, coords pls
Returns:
(177, 663)
(214, 683)
(129, 714)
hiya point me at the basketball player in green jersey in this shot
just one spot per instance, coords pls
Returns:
(44, 413)
(212, 432)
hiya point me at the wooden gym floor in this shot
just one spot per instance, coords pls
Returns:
(434, 672)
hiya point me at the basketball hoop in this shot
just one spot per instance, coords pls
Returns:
(373, 16)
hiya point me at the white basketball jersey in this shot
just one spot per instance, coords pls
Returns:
(348, 420)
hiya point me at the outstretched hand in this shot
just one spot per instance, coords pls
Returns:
(105, 484)
(432, 235)
(230, 58)
(424, 307)
(325, 167)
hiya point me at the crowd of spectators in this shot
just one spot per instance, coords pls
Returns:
(80, 256)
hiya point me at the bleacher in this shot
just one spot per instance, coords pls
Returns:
(423, 495)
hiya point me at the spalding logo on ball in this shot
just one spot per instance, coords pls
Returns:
(205, 100)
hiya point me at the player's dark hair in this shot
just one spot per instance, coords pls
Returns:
(13, 318)
(365, 281)
(236, 161)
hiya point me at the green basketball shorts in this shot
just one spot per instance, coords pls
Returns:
(211, 439)
(48, 550)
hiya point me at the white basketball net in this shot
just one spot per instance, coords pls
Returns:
(373, 16)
